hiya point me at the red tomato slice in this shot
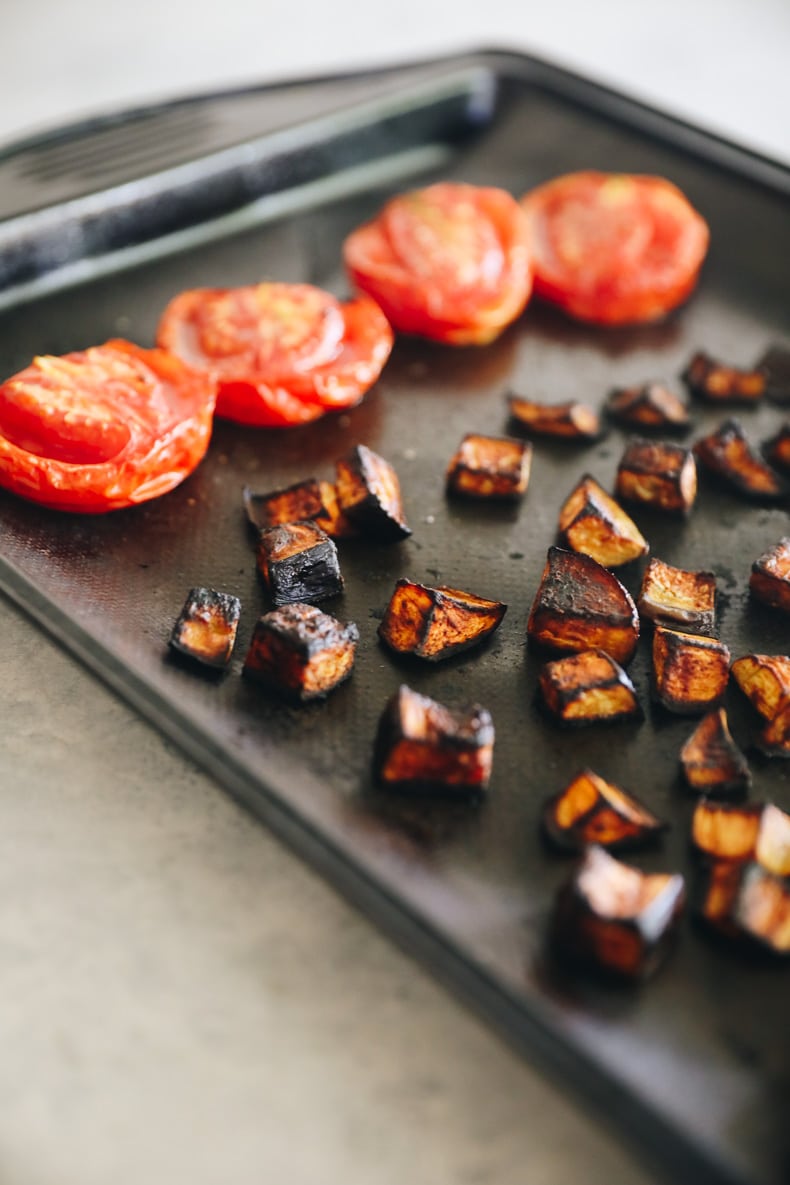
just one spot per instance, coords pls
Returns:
(103, 428)
(279, 354)
(450, 262)
(614, 248)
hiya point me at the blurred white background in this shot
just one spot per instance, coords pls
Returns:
(722, 63)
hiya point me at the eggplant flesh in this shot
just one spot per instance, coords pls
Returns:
(206, 627)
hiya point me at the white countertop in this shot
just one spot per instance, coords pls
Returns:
(183, 1000)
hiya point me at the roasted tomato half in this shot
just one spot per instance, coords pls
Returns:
(102, 428)
(450, 262)
(614, 248)
(279, 354)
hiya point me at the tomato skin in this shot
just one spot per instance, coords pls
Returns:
(614, 249)
(279, 355)
(102, 429)
(450, 262)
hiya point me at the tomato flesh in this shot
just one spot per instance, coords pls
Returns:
(103, 428)
(450, 262)
(613, 248)
(278, 354)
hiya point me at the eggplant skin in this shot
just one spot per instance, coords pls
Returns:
(298, 562)
(435, 623)
(205, 630)
(423, 745)
(301, 652)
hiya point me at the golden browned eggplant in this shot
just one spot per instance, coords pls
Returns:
(712, 380)
(712, 763)
(764, 679)
(652, 407)
(330, 518)
(744, 900)
(727, 454)
(588, 688)
(206, 627)
(571, 421)
(424, 745)
(690, 671)
(724, 831)
(490, 467)
(770, 578)
(301, 652)
(774, 740)
(616, 918)
(591, 810)
(777, 450)
(298, 562)
(677, 598)
(658, 474)
(591, 522)
(293, 504)
(580, 605)
(369, 495)
(434, 623)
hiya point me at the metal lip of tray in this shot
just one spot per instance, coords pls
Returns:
(109, 219)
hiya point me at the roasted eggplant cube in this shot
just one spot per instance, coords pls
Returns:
(615, 918)
(570, 421)
(718, 383)
(652, 408)
(591, 522)
(298, 562)
(764, 679)
(690, 672)
(206, 627)
(588, 688)
(774, 740)
(728, 456)
(679, 599)
(490, 467)
(776, 450)
(658, 474)
(775, 365)
(726, 832)
(423, 745)
(770, 578)
(434, 623)
(711, 761)
(743, 900)
(369, 495)
(301, 652)
(295, 503)
(591, 810)
(580, 605)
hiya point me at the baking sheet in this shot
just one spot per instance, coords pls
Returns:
(692, 1066)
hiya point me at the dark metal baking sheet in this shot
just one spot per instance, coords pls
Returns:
(693, 1066)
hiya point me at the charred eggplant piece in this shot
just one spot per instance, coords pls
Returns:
(298, 562)
(592, 523)
(774, 740)
(295, 503)
(301, 652)
(652, 408)
(423, 745)
(580, 605)
(679, 599)
(690, 671)
(369, 495)
(770, 578)
(658, 474)
(588, 688)
(490, 467)
(764, 679)
(206, 627)
(434, 623)
(744, 900)
(728, 456)
(616, 918)
(712, 762)
(726, 832)
(570, 421)
(776, 450)
(591, 810)
(775, 365)
(712, 380)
